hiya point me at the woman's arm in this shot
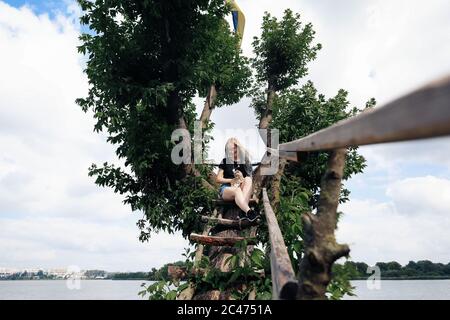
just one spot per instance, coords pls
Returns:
(221, 179)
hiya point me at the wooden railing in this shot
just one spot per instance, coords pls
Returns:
(284, 283)
(424, 113)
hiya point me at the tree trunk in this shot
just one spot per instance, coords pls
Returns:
(259, 181)
(266, 118)
(321, 249)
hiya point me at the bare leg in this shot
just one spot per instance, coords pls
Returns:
(236, 194)
(247, 189)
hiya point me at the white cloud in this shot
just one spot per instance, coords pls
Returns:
(425, 195)
(51, 212)
(371, 48)
(50, 242)
(427, 152)
(412, 225)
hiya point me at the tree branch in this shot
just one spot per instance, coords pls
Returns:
(266, 118)
(321, 249)
(208, 106)
(276, 183)
(259, 180)
(189, 169)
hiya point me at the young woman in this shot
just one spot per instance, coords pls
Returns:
(235, 176)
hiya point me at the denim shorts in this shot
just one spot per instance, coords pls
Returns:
(222, 187)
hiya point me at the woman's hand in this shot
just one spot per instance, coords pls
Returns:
(236, 182)
(238, 174)
(238, 178)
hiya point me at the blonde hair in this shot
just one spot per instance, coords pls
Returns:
(243, 154)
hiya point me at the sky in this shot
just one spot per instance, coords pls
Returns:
(53, 215)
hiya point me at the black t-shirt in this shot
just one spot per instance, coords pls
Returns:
(227, 168)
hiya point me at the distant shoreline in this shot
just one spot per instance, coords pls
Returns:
(354, 279)
(407, 278)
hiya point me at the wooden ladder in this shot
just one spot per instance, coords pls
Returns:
(221, 232)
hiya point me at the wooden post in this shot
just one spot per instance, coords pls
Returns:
(321, 249)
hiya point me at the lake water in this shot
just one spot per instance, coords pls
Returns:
(128, 290)
(67, 290)
(403, 290)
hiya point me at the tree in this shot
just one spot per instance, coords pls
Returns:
(389, 266)
(146, 60)
(282, 54)
(281, 57)
(299, 186)
(362, 268)
(421, 269)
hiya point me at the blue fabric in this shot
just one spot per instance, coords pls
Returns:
(222, 187)
(235, 20)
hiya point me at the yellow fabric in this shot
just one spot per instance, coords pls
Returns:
(241, 18)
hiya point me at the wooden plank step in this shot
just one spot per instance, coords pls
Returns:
(206, 230)
(178, 273)
(221, 202)
(219, 241)
(239, 224)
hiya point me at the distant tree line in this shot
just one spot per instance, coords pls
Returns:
(26, 275)
(153, 275)
(423, 269)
